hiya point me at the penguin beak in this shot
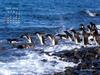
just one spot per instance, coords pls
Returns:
(35, 33)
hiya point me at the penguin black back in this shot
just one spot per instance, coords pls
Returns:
(70, 35)
(85, 36)
(96, 36)
(53, 39)
(76, 36)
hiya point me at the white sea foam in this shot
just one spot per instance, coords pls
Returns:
(33, 64)
(98, 26)
(61, 47)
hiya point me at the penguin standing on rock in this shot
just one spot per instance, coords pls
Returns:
(85, 35)
(82, 27)
(53, 40)
(70, 36)
(27, 37)
(89, 28)
(29, 42)
(96, 36)
(92, 26)
(76, 36)
(41, 37)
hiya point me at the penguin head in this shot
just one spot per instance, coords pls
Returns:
(50, 36)
(12, 40)
(40, 33)
(93, 26)
(36, 33)
(9, 40)
(66, 31)
(24, 35)
(60, 34)
(81, 27)
(73, 30)
(91, 23)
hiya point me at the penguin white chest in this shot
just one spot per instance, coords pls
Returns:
(52, 40)
(40, 39)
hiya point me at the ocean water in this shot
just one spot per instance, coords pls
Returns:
(50, 16)
(46, 15)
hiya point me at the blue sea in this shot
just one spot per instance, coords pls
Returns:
(46, 15)
(50, 16)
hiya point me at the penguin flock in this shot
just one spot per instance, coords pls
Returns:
(80, 35)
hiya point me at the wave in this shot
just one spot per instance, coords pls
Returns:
(90, 12)
(35, 61)
(31, 62)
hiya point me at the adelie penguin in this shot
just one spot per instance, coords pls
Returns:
(27, 37)
(41, 37)
(29, 43)
(13, 42)
(92, 26)
(53, 40)
(85, 36)
(70, 36)
(82, 27)
(16, 44)
(89, 28)
(76, 36)
(96, 36)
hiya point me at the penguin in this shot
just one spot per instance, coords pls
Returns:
(85, 36)
(16, 44)
(96, 36)
(53, 40)
(12, 41)
(82, 27)
(93, 26)
(89, 28)
(70, 36)
(76, 36)
(29, 43)
(27, 37)
(41, 37)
